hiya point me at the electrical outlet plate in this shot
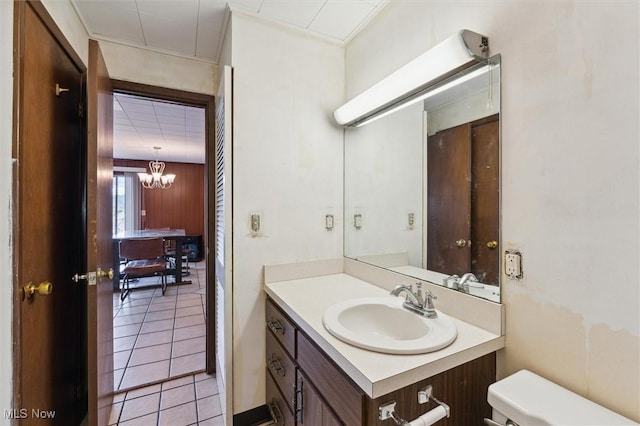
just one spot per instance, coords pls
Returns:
(513, 264)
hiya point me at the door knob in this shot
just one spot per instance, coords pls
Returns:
(463, 243)
(43, 289)
(492, 244)
(104, 274)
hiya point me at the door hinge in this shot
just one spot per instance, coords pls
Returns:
(80, 110)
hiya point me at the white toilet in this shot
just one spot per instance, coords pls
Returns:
(526, 399)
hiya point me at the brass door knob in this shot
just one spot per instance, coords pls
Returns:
(463, 243)
(492, 244)
(43, 289)
(104, 274)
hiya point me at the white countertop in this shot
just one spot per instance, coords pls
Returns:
(305, 301)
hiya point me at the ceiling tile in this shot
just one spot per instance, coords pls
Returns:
(299, 13)
(170, 25)
(338, 19)
(115, 19)
(210, 21)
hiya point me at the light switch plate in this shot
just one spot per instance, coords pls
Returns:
(255, 223)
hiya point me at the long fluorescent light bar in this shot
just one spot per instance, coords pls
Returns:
(436, 64)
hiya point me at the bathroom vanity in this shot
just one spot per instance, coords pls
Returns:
(316, 379)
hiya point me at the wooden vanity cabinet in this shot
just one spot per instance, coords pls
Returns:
(305, 387)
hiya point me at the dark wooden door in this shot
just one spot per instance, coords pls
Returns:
(485, 257)
(99, 253)
(49, 355)
(449, 200)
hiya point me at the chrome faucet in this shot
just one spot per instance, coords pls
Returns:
(414, 301)
(463, 284)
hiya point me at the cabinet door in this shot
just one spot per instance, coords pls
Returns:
(311, 409)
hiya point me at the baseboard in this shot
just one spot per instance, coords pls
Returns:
(254, 417)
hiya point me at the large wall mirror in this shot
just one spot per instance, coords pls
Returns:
(422, 185)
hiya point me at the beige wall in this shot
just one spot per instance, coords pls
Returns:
(287, 165)
(570, 175)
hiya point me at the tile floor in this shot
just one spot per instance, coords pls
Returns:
(157, 337)
(190, 400)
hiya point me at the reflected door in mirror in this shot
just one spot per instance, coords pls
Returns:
(462, 200)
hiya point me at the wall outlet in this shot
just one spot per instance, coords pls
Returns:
(513, 264)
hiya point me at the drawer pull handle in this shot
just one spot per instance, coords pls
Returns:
(275, 412)
(275, 326)
(276, 366)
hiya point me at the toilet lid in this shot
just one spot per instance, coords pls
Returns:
(528, 399)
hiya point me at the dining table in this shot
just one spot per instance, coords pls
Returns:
(176, 235)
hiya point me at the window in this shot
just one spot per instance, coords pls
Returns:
(126, 202)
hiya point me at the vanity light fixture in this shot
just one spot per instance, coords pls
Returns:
(409, 83)
(156, 179)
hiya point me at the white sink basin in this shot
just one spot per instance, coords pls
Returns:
(381, 324)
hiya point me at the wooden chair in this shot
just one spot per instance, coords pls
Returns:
(144, 258)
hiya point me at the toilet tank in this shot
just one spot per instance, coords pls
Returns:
(528, 399)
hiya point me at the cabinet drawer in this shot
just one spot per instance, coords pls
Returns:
(282, 369)
(345, 398)
(277, 404)
(281, 328)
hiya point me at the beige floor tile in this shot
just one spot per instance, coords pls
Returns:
(189, 321)
(148, 420)
(188, 296)
(140, 406)
(160, 315)
(177, 382)
(120, 320)
(153, 326)
(202, 376)
(132, 310)
(161, 306)
(214, 421)
(123, 343)
(182, 415)
(189, 332)
(126, 330)
(117, 377)
(149, 354)
(134, 301)
(189, 346)
(152, 339)
(191, 310)
(188, 302)
(205, 388)
(209, 407)
(177, 396)
(147, 390)
(187, 364)
(144, 374)
(115, 413)
(120, 359)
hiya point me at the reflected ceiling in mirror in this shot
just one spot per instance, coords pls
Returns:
(422, 185)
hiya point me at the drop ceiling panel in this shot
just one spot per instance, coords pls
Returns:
(299, 13)
(170, 25)
(140, 124)
(339, 19)
(210, 22)
(116, 19)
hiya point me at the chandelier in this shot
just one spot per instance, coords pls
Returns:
(156, 179)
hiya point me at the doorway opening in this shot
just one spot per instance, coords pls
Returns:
(160, 337)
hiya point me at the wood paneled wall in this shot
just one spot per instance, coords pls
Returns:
(179, 207)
